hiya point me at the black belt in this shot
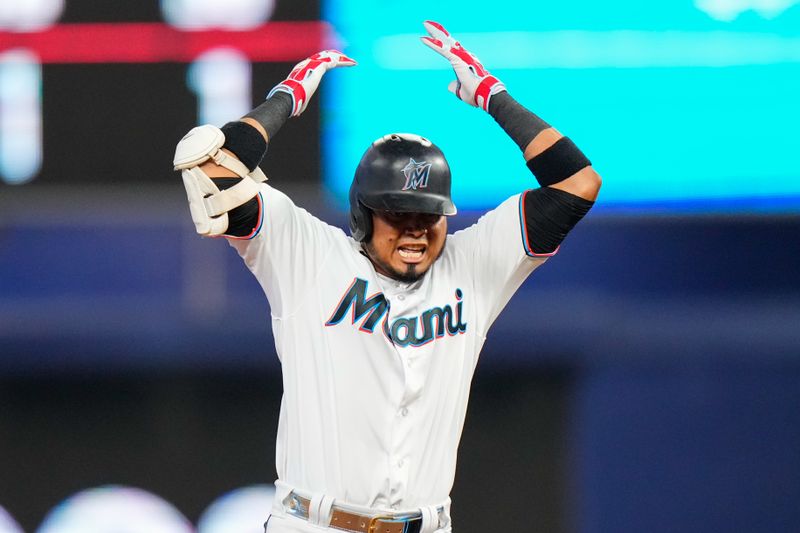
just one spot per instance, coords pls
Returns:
(358, 523)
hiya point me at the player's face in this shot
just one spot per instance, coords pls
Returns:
(405, 245)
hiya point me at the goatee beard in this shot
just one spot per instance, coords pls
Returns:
(409, 276)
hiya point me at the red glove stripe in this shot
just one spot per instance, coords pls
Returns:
(469, 59)
(302, 73)
(484, 90)
(298, 93)
(435, 42)
(438, 27)
(324, 55)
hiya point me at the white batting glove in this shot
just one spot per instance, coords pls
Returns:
(306, 75)
(474, 85)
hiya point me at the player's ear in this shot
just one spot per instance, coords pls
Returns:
(361, 221)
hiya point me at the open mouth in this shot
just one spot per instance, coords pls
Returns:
(412, 253)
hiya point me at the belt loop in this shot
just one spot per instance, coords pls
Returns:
(430, 519)
(319, 510)
(282, 492)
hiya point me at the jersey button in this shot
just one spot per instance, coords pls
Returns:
(401, 297)
(400, 463)
(404, 411)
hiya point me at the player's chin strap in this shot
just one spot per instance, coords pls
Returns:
(209, 205)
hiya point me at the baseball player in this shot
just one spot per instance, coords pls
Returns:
(379, 332)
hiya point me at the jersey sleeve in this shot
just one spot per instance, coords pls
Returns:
(287, 251)
(495, 253)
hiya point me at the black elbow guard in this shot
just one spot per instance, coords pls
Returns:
(558, 162)
(547, 216)
(242, 220)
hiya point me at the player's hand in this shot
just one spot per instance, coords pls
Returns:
(305, 76)
(474, 85)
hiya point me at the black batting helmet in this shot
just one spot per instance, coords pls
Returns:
(400, 172)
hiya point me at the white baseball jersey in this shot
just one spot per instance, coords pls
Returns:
(377, 372)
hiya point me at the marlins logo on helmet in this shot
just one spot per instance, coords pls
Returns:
(416, 174)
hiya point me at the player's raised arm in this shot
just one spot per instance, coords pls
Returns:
(569, 183)
(219, 166)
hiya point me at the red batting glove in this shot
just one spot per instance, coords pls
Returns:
(306, 75)
(474, 85)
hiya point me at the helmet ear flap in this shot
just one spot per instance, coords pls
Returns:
(365, 216)
(360, 218)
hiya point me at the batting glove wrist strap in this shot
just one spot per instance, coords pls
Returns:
(304, 78)
(473, 84)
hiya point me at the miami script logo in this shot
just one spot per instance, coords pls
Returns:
(426, 327)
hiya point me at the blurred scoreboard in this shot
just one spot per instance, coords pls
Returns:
(100, 92)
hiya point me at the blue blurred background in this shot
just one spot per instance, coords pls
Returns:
(647, 378)
(704, 97)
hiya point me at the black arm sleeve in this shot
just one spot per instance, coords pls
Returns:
(272, 113)
(549, 215)
(245, 141)
(555, 164)
(519, 123)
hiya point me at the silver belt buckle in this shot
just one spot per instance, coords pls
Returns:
(401, 518)
(295, 506)
(373, 522)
